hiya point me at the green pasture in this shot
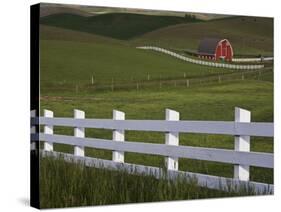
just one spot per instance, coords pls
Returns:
(65, 185)
(212, 102)
(68, 62)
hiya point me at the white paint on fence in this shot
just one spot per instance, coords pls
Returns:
(260, 59)
(205, 127)
(241, 157)
(79, 132)
(172, 138)
(118, 136)
(48, 129)
(187, 83)
(242, 143)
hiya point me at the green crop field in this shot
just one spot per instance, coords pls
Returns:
(76, 51)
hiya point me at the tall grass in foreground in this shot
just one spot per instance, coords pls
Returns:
(65, 184)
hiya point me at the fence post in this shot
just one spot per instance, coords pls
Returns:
(112, 84)
(79, 132)
(187, 83)
(172, 138)
(242, 143)
(48, 146)
(33, 130)
(119, 136)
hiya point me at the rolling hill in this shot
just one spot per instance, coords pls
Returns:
(87, 10)
(57, 33)
(248, 35)
(92, 48)
(50, 9)
(116, 25)
(73, 57)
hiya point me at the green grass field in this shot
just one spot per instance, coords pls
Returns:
(214, 102)
(69, 62)
(57, 190)
(70, 56)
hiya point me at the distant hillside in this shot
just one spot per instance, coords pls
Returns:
(116, 25)
(103, 10)
(50, 9)
(57, 33)
(86, 10)
(248, 35)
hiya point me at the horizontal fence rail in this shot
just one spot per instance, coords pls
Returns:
(202, 62)
(241, 157)
(198, 153)
(260, 59)
(205, 127)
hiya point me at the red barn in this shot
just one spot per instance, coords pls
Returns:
(215, 49)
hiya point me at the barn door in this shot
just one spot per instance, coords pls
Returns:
(218, 52)
(228, 55)
(224, 49)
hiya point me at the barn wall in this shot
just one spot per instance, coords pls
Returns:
(224, 49)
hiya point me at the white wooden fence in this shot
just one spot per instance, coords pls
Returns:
(202, 62)
(241, 157)
(252, 59)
